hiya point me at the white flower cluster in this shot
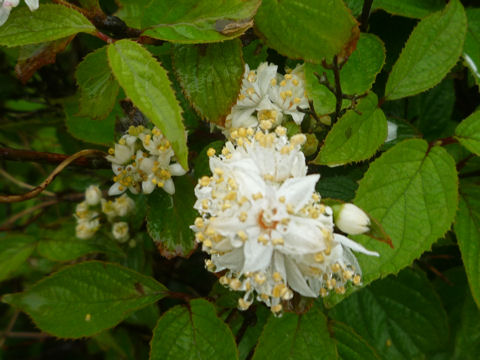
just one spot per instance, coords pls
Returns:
(266, 96)
(7, 5)
(141, 162)
(88, 214)
(262, 221)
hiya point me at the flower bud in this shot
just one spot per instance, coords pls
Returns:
(85, 229)
(93, 195)
(351, 219)
(120, 231)
(123, 205)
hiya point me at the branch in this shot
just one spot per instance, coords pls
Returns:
(367, 5)
(22, 184)
(37, 190)
(98, 162)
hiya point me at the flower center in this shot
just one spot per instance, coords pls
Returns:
(265, 219)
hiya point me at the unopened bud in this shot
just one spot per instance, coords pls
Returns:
(93, 195)
(351, 219)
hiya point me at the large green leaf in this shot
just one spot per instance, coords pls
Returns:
(210, 76)
(296, 337)
(467, 229)
(47, 23)
(98, 87)
(169, 218)
(350, 345)
(355, 137)
(467, 337)
(197, 21)
(14, 250)
(146, 83)
(431, 51)
(468, 133)
(409, 8)
(192, 333)
(88, 129)
(308, 30)
(401, 317)
(471, 48)
(412, 191)
(85, 298)
(356, 76)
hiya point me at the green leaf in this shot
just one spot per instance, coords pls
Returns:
(356, 76)
(355, 137)
(308, 30)
(409, 8)
(401, 317)
(467, 338)
(296, 337)
(87, 129)
(468, 133)
(146, 83)
(85, 298)
(412, 191)
(169, 218)
(192, 333)
(337, 187)
(47, 23)
(14, 250)
(467, 229)
(431, 51)
(350, 345)
(98, 87)
(471, 48)
(197, 21)
(210, 76)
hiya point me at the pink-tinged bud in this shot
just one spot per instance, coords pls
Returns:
(351, 219)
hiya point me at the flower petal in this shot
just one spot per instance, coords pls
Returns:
(298, 191)
(257, 256)
(345, 241)
(296, 280)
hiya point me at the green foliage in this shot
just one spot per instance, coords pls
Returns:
(431, 51)
(14, 250)
(401, 317)
(471, 48)
(98, 87)
(468, 133)
(55, 21)
(355, 137)
(350, 345)
(146, 83)
(409, 8)
(83, 299)
(412, 191)
(197, 21)
(210, 76)
(192, 333)
(169, 218)
(467, 227)
(322, 28)
(296, 337)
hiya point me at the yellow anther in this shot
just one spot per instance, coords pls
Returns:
(205, 204)
(250, 91)
(288, 93)
(210, 265)
(297, 100)
(207, 243)
(331, 283)
(295, 82)
(283, 95)
(111, 151)
(319, 257)
(277, 277)
(235, 284)
(278, 290)
(251, 76)
(122, 142)
(257, 196)
(232, 195)
(316, 197)
(262, 240)
(286, 149)
(347, 275)
(199, 223)
(241, 97)
(242, 132)
(336, 267)
(288, 76)
(340, 290)
(242, 200)
(323, 292)
(289, 208)
(226, 205)
(283, 83)
(281, 131)
(282, 199)
(240, 141)
(211, 152)
(268, 177)
(199, 237)
(218, 171)
(278, 241)
(232, 183)
(264, 297)
(242, 235)
(273, 82)
(225, 151)
(243, 216)
(204, 181)
(259, 278)
(266, 124)
(224, 280)
(285, 221)
(276, 308)
(250, 131)
(298, 139)
(220, 180)
(243, 305)
(357, 279)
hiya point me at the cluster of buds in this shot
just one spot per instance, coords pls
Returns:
(90, 213)
(142, 161)
(266, 95)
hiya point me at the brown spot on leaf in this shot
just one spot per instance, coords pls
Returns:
(139, 288)
(233, 27)
(351, 44)
(172, 253)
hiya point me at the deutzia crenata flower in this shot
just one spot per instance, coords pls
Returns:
(85, 228)
(7, 5)
(141, 161)
(351, 219)
(93, 195)
(120, 231)
(123, 205)
(262, 221)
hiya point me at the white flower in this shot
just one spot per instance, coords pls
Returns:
(85, 229)
(392, 131)
(120, 231)
(290, 94)
(141, 161)
(351, 219)
(109, 209)
(263, 222)
(123, 205)
(93, 195)
(7, 5)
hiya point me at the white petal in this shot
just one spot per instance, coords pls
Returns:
(177, 169)
(32, 4)
(4, 12)
(353, 245)
(303, 237)
(257, 256)
(296, 280)
(169, 187)
(148, 186)
(115, 189)
(232, 260)
(298, 191)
